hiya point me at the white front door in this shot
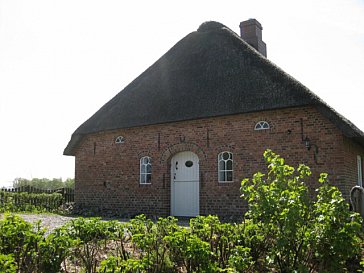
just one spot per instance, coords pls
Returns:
(185, 188)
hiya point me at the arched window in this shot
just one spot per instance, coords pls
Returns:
(145, 170)
(225, 167)
(261, 125)
(119, 140)
(360, 170)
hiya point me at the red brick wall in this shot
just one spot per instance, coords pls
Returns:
(350, 150)
(107, 174)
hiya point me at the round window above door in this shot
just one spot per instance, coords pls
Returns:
(189, 163)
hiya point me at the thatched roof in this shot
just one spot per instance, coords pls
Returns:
(210, 72)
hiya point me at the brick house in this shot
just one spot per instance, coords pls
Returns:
(179, 139)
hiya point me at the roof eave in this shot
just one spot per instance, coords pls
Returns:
(73, 144)
(343, 124)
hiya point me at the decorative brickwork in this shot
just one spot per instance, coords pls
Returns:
(181, 147)
(107, 173)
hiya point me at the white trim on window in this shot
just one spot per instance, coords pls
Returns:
(119, 140)
(262, 125)
(360, 170)
(145, 170)
(225, 167)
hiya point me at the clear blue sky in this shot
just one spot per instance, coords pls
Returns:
(60, 61)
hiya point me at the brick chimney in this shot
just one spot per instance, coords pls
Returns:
(251, 32)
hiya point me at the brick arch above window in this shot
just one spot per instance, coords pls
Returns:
(144, 153)
(181, 147)
(225, 147)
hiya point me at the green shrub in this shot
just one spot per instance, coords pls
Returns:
(300, 234)
(148, 239)
(7, 264)
(240, 259)
(90, 238)
(110, 265)
(220, 237)
(21, 240)
(190, 252)
(285, 230)
(54, 249)
(121, 238)
(334, 233)
(29, 202)
(116, 265)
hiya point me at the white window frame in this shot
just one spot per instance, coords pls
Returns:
(262, 125)
(145, 170)
(223, 169)
(119, 140)
(360, 170)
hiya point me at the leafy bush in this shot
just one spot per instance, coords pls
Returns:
(20, 239)
(190, 252)
(301, 234)
(90, 239)
(53, 251)
(31, 202)
(285, 230)
(116, 265)
(149, 239)
(224, 239)
(7, 264)
(334, 233)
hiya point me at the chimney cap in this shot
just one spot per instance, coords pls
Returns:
(249, 22)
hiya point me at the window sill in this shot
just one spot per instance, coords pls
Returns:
(225, 182)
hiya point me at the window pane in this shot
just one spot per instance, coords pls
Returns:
(142, 169)
(221, 165)
(360, 171)
(142, 179)
(225, 156)
(229, 165)
(261, 125)
(229, 176)
(149, 168)
(222, 176)
(149, 178)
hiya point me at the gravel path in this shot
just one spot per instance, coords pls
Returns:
(48, 221)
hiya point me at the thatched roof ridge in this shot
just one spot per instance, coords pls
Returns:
(210, 72)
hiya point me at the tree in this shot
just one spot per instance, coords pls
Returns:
(69, 183)
(44, 183)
